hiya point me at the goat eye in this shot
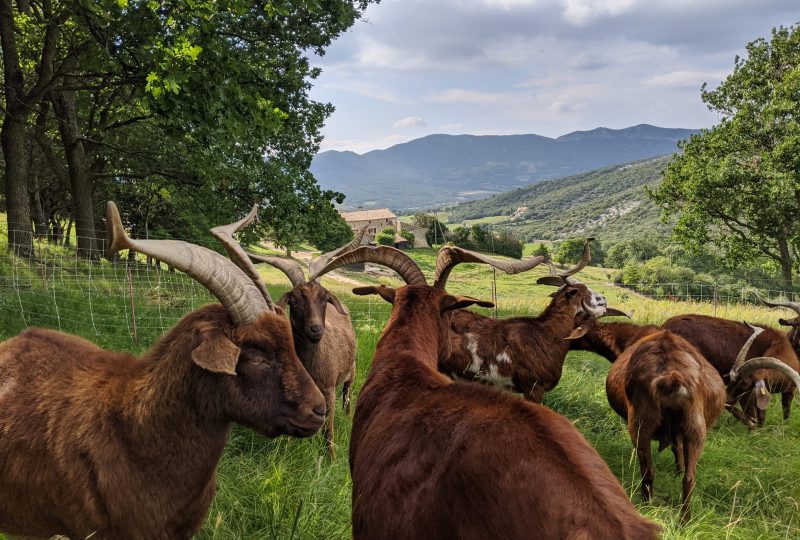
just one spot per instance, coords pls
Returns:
(256, 361)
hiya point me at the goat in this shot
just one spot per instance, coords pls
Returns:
(323, 332)
(524, 354)
(666, 391)
(777, 383)
(102, 444)
(434, 458)
(719, 340)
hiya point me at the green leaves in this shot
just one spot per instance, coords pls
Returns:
(737, 185)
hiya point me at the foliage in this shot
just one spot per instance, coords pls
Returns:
(436, 232)
(737, 185)
(570, 251)
(386, 236)
(480, 237)
(408, 235)
(637, 249)
(331, 236)
(189, 112)
(541, 250)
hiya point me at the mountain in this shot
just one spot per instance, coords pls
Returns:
(609, 203)
(443, 169)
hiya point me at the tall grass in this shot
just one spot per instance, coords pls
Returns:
(748, 484)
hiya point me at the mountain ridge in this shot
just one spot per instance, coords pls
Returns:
(443, 169)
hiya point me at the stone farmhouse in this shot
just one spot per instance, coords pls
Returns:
(377, 219)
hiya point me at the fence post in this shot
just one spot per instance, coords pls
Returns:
(716, 299)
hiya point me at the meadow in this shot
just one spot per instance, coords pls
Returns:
(748, 484)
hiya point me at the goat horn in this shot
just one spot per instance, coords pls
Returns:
(614, 312)
(318, 263)
(290, 267)
(449, 256)
(795, 306)
(765, 362)
(224, 233)
(385, 255)
(740, 358)
(557, 279)
(226, 281)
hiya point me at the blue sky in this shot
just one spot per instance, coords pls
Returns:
(415, 67)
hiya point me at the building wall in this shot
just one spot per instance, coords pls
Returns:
(374, 226)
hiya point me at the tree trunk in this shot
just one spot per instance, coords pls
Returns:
(79, 174)
(12, 139)
(786, 264)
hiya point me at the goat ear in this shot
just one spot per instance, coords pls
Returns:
(578, 333)
(571, 292)
(216, 353)
(332, 300)
(283, 300)
(387, 293)
(450, 302)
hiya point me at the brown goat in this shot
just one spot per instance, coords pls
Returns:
(719, 340)
(665, 390)
(433, 458)
(524, 354)
(106, 445)
(323, 332)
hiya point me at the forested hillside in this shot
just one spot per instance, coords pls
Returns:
(609, 203)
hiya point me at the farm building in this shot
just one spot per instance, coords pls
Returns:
(377, 219)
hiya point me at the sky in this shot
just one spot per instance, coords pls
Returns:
(411, 68)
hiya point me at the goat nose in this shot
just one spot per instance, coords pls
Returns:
(315, 328)
(320, 409)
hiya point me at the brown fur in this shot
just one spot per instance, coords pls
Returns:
(431, 458)
(665, 390)
(329, 357)
(720, 341)
(101, 443)
(535, 346)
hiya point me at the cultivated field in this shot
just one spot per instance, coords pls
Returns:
(748, 483)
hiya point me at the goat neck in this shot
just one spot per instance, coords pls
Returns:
(610, 339)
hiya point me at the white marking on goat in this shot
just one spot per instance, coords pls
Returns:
(7, 386)
(503, 357)
(493, 377)
(472, 346)
(682, 391)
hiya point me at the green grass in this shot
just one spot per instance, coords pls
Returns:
(748, 484)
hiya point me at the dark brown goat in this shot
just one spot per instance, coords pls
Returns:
(665, 390)
(106, 445)
(433, 458)
(719, 340)
(524, 354)
(323, 332)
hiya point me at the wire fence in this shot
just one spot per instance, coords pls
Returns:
(130, 300)
(709, 292)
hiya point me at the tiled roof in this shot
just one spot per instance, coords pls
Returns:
(367, 215)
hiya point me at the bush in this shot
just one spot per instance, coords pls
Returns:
(541, 249)
(386, 236)
(408, 235)
(330, 236)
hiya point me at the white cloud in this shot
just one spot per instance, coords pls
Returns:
(409, 122)
(366, 89)
(580, 12)
(683, 79)
(460, 95)
(452, 126)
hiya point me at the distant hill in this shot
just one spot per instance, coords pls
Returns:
(443, 169)
(609, 203)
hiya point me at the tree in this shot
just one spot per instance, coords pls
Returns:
(386, 236)
(409, 236)
(541, 250)
(569, 251)
(436, 232)
(737, 185)
(330, 236)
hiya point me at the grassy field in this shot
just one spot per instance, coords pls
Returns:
(748, 484)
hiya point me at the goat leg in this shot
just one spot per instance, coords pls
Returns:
(786, 401)
(642, 438)
(330, 400)
(347, 392)
(677, 451)
(692, 450)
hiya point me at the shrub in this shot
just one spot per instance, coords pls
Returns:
(386, 236)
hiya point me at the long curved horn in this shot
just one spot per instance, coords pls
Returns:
(224, 233)
(318, 263)
(560, 278)
(449, 256)
(795, 306)
(740, 358)
(220, 276)
(385, 255)
(614, 312)
(290, 267)
(765, 362)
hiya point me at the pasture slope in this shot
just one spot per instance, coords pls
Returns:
(748, 485)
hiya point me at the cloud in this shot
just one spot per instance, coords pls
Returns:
(409, 122)
(683, 79)
(589, 61)
(367, 89)
(580, 12)
(460, 95)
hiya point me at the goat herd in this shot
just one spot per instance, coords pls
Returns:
(105, 445)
